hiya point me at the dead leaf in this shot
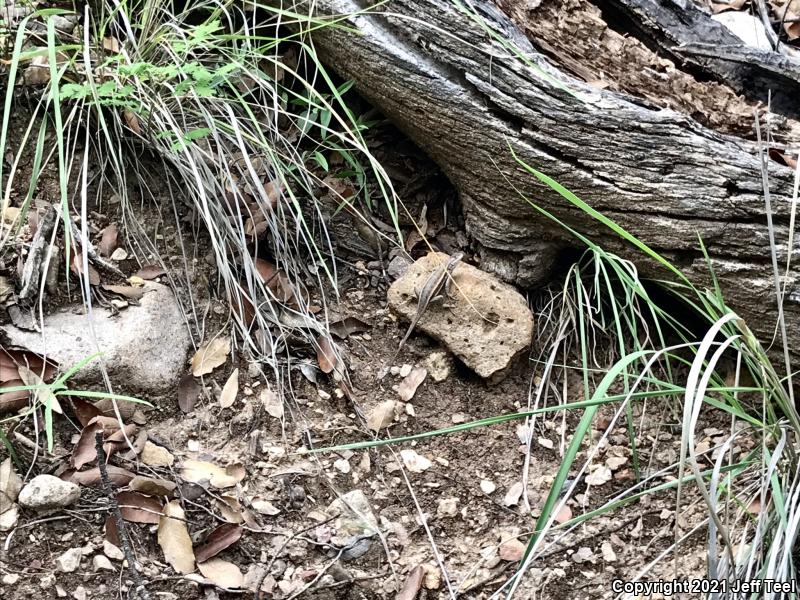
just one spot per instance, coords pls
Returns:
(111, 44)
(188, 393)
(272, 403)
(11, 359)
(196, 471)
(511, 550)
(222, 573)
(152, 486)
(108, 240)
(272, 189)
(344, 328)
(563, 515)
(85, 451)
(149, 272)
(77, 267)
(229, 391)
(230, 508)
(210, 356)
(138, 508)
(408, 387)
(599, 476)
(13, 401)
(412, 585)
(173, 537)
(326, 354)
(84, 411)
(132, 121)
(381, 416)
(719, 7)
(222, 537)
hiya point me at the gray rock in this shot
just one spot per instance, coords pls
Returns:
(144, 347)
(70, 560)
(486, 323)
(398, 266)
(45, 492)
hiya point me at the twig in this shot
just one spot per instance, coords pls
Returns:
(101, 263)
(140, 590)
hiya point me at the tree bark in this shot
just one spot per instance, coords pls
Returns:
(466, 99)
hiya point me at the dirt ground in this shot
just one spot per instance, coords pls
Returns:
(453, 506)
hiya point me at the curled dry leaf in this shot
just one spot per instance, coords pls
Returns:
(271, 402)
(173, 537)
(108, 240)
(140, 508)
(326, 354)
(84, 411)
(230, 508)
(85, 451)
(222, 537)
(210, 356)
(149, 272)
(196, 471)
(229, 391)
(132, 121)
(188, 393)
(222, 573)
(408, 387)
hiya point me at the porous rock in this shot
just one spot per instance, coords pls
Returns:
(143, 347)
(486, 323)
(45, 492)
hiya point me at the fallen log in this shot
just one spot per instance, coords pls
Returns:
(468, 82)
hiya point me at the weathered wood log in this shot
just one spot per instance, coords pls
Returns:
(439, 70)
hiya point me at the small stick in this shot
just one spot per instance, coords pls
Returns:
(140, 590)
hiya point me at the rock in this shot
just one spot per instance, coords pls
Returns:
(448, 507)
(354, 517)
(79, 593)
(9, 518)
(45, 492)
(512, 550)
(10, 579)
(438, 365)
(112, 552)
(583, 555)
(101, 563)
(397, 267)
(608, 552)
(513, 494)
(486, 324)
(70, 560)
(48, 581)
(156, 456)
(144, 347)
(487, 487)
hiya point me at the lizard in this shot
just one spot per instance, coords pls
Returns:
(431, 290)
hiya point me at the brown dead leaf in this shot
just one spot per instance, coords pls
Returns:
(173, 537)
(132, 121)
(210, 356)
(11, 359)
(149, 272)
(77, 267)
(222, 537)
(563, 515)
(111, 44)
(84, 411)
(267, 271)
(85, 450)
(196, 471)
(719, 7)
(13, 401)
(222, 573)
(326, 354)
(229, 391)
(412, 585)
(138, 508)
(188, 393)
(108, 240)
(230, 508)
(152, 486)
(782, 157)
(272, 189)
(408, 387)
(381, 416)
(112, 530)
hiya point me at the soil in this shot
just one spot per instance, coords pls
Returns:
(453, 514)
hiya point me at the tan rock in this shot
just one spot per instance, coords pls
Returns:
(486, 323)
(156, 456)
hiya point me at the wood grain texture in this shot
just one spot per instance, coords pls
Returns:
(465, 99)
